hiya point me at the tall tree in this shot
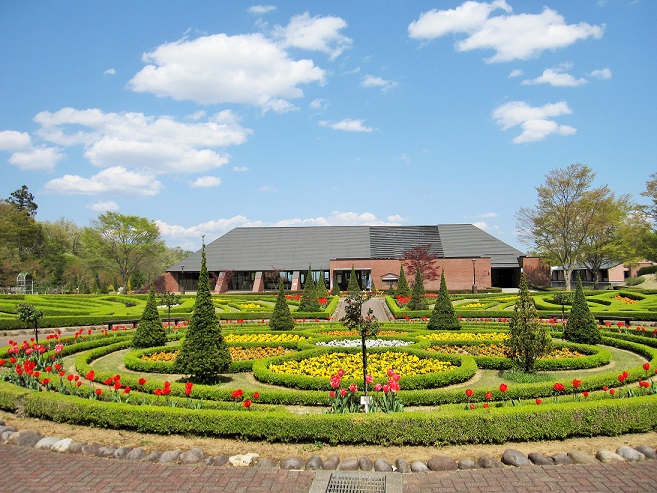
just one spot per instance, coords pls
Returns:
(281, 318)
(150, 332)
(564, 216)
(418, 301)
(23, 200)
(649, 238)
(581, 326)
(420, 258)
(308, 301)
(122, 243)
(443, 316)
(402, 284)
(353, 288)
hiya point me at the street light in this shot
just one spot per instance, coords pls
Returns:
(474, 276)
(182, 279)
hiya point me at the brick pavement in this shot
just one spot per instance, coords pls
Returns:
(28, 470)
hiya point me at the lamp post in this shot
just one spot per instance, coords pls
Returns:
(182, 279)
(474, 276)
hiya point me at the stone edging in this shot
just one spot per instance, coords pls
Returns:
(32, 438)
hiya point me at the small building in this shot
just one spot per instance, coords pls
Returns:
(254, 259)
(610, 274)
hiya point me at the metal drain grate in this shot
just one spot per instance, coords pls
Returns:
(356, 482)
(341, 483)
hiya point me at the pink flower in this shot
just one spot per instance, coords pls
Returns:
(369, 379)
(353, 387)
(343, 392)
(378, 387)
(341, 373)
(391, 372)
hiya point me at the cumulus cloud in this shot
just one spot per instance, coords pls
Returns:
(510, 36)
(116, 180)
(110, 71)
(134, 140)
(261, 9)
(10, 140)
(556, 77)
(347, 125)
(535, 122)
(485, 226)
(104, 206)
(603, 73)
(318, 104)
(25, 155)
(487, 215)
(515, 73)
(315, 33)
(206, 182)
(372, 81)
(244, 69)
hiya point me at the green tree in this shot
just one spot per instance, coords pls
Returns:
(169, 299)
(320, 286)
(402, 284)
(150, 332)
(203, 352)
(353, 287)
(648, 245)
(335, 290)
(308, 301)
(581, 326)
(529, 338)
(30, 314)
(418, 301)
(443, 316)
(281, 318)
(564, 216)
(23, 201)
(122, 244)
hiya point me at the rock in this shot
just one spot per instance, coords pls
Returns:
(292, 464)
(90, 449)
(442, 463)
(4, 428)
(266, 464)
(76, 447)
(122, 452)
(25, 438)
(153, 456)
(382, 465)
(350, 464)
(136, 454)
(192, 456)
(332, 463)
(46, 443)
(581, 457)
(608, 456)
(242, 460)
(169, 457)
(402, 467)
(419, 466)
(562, 459)
(516, 458)
(540, 460)
(365, 463)
(107, 451)
(487, 462)
(220, 460)
(312, 464)
(4, 436)
(628, 453)
(2, 423)
(468, 464)
(62, 445)
(647, 451)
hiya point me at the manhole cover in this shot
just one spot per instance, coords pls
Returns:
(356, 482)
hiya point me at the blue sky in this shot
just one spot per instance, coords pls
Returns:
(205, 115)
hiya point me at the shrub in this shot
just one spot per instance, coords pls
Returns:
(402, 284)
(581, 326)
(353, 288)
(308, 301)
(320, 286)
(634, 281)
(443, 316)
(281, 318)
(418, 300)
(150, 332)
(651, 269)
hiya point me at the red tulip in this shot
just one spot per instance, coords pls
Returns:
(486, 405)
(332, 394)
(247, 403)
(343, 392)
(538, 401)
(585, 393)
(90, 375)
(503, 387)
(469, 392)
(353, 387)
(99, 391)
(141, 381)
(576, 383)
(256, 395)
(612, 391)
(489, 395)
(126, 390)
(558, 387)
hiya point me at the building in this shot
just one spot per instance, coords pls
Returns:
(610, 274)
(254, 259)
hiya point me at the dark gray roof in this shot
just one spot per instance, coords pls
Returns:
(295, 248)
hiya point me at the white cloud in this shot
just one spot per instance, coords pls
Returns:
(240, 169)
(261, 9)
(512, 37)
(485, 226)
(206, 181)
(105, 206)
(315, 33)
(267, 188)
(116, 180)
(396, 219)
(318, 104)
(555, 77)
(110, 71)
(487, 215)
(371, 81)
(37, 159)
(134, 140)
(603, 73)
(515, 73)
(10, 140)
(244, 69)
(534, 121)
(347, 125)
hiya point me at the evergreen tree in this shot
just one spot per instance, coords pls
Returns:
(353, 287)
(203, 352)
(372, 286)
(529, 339)
(150, 332)
(418, 300)
(402, 284)
(335, 290)
(443, 316)
(320, 286)
(281, 318)
(308, 301)
(581, 326)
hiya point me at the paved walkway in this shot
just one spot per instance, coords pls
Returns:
(27, 470)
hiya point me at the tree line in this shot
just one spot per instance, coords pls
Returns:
(115, 252)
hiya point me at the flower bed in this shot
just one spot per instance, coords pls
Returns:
(370, 343)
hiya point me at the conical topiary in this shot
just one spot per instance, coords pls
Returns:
(308, 301)
(335, 290)
(402, 284)
(203, 352)
(353, 288)
(281, 318)
(150, 332)
(320, 286)
(443, 316)
(581, 326)
(529, 339)
(418, 300)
